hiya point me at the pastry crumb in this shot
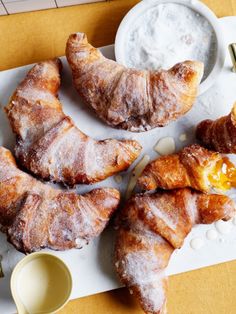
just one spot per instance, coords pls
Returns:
(118, 178)
(183, 137)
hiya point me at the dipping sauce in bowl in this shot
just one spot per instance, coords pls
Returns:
(40, 283)
(157, 34)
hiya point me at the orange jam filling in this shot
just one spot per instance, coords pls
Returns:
(223, 176)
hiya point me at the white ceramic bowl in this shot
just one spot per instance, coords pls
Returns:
(197, 6)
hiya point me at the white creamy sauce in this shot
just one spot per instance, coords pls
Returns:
(42, 286)
(169, 33)
(211, 234)
(196, 243)
(223, 227)
(165, 146)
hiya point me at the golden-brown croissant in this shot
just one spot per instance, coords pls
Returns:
(150, 227)
(194, 166)
(48, 142)
(219, 135)
(131, 99)
(34, 215)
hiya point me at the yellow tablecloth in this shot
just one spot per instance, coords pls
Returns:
(30, 37)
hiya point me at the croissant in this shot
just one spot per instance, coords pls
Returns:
(48, 142)
(131, 99)
(219, 135)
(151, 227)
(35, 216)
(194, 166)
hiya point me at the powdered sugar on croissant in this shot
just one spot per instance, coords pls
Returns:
(136, 100)
(151, 227)
(34, 215)
(48, 142)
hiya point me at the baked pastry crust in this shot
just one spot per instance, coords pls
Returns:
(35, 216)
(150, 228)
(48, 142)
(219, 135)
(192, 167)
(131, 99)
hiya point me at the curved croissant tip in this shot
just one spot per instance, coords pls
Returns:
(196, 66)
(190, 71)
(6, 155)
(77, 37)
(134, 145)
(53, 65)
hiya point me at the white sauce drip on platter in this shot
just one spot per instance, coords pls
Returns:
(223, 227)
(167, 34)
(196, 243)
(165, 146)
(211, 234)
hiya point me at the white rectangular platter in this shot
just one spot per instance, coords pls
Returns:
(91, 266)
